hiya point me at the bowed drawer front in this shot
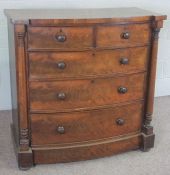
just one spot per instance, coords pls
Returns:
(82, 82)
(90, 93)
(61, 65)
(79, 126)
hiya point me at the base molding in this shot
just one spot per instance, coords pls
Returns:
(91, 151)
(59, 154)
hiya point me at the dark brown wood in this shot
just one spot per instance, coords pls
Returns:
(82, 82)
(148, 137)
(147, 141)
(20, 34)
(45, 65)
(24, 158)
(87, 93)
(86, 151)
(156, 25)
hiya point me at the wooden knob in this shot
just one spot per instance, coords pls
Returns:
(120, 121)
(61, 65)
(60, 129)
(125, 35)
(124, 61)
(122, 90)
(61, 96)
(60, 38)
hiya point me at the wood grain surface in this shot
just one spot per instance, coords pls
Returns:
(85, 93)
(82, 82)
(45, 37)
(111, 36)
(87, 125)
(45, 65)
(87, 151)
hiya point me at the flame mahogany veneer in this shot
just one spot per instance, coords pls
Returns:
(82, 82)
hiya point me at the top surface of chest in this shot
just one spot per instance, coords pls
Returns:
(74, 16)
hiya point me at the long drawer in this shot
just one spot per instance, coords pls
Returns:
(87, 93)
(63, 128)
(59, 65)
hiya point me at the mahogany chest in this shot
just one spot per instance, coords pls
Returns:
(82, 82)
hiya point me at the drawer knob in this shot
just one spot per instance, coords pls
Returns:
(125, 35)
(60, 129)
(122, 90)
(60, 38)
(61, 96)
(120, 121)
(61, 65)
(124, 61)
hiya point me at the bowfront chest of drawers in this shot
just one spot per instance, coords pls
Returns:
(82, 82)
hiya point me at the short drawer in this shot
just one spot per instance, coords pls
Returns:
(88, 93)
(60, 37)
(84, 126)
(123, 35)
(44, 65)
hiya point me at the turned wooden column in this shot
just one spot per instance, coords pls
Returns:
(24, 152)
(148, 135)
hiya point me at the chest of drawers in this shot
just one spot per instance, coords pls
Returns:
(82, 82)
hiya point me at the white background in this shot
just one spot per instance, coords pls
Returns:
(161, 6)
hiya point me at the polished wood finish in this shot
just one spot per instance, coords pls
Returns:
(148, 139)
(20, 40)
(88, 93)
(85, 126)
(45, 65)
(87, 150)
(114, 36)
(156, 25)
(82, 82)
(46, 37)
